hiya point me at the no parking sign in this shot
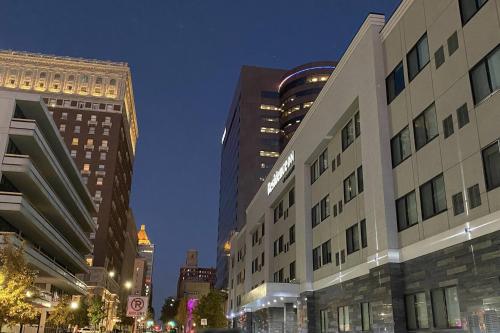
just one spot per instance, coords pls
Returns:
(137, 306)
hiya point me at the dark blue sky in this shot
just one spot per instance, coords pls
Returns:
(185, 57)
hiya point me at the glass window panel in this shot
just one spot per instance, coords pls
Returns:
(341, 319)
(365, 316)
(426, 200)
(439, 309)
(347, 321)
(413, 67)
(431, 122)
(411, 206)
(480, 85)
(405, 143)
(423, 52)
(411, 314)
(452, 307)
(458, 204)
(421, 306)
(420, 135)
(401, 214)
(491, 161)
(494, 68)
(439, 195)
(468, 8)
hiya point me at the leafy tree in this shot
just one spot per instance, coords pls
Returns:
(96, 312)
(63, 315)
(211, 307)
(181, 316)
(169, 309)
(16, 279)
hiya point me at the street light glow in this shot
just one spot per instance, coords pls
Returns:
(111, 274)
(73, 305)
(128, 285)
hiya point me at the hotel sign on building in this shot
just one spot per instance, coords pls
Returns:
(281, 172)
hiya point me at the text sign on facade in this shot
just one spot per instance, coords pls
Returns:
(278, 175)
(137, 306)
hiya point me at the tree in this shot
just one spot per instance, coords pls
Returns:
(169, 309)
(63, 315)
(16, 280)
(211, 308)
(181, 316)
(96, 312)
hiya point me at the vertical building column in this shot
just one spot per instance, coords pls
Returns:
(376, 150)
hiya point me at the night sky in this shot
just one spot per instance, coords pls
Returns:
(185, 57)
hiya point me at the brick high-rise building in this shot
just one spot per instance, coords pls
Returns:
(92, 104)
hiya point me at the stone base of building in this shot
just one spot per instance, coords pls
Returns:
(268, 320)
(472, 267)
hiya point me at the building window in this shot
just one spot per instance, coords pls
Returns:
(364, 236)
(344, 320)
(326, 252)
(361, 185)
(484, 77)
(425, 127)
(88, 154)
(366, 317)
(323, 161)
(99, 181)
(357, 125)
(491, 162)
(325, 207)
(342, 257)
(73, 153)
(102, 156)
(352, 239)
(316, 258)
(448, 126)
(439, 57)
(433, 197)
(452, 43)
(292, 270)
(337, 259)
(350, 187)
(76, 129)
(291, 235)
(462, 116)
(340, 206)
(105, 131)
(458, 203)
(445, 308)
(314, 172)
(474, 196)
(406, 211)
(62, 127)
(416, 311)
(395, 83)
(324, 321)
(291, 197)
(86, 167)
(347, 135)
(315, 215)
(79, 117)
(74, 142)
(339, 161)
(269, 130)
(91, 130)
(469, 8)
(269, 153)
(418, 57)
(400, 147)
(64, 116)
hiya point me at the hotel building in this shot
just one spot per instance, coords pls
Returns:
(383, 211)
(44, 205)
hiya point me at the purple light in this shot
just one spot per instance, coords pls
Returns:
(303, 70)
(191, 305)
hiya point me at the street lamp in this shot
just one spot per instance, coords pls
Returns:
(111, 274)
(73, 305)
(128, 285)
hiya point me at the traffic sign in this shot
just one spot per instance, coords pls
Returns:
(137, 306)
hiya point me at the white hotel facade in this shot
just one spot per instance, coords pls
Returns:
(388, 217)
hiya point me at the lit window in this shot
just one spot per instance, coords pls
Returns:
(73, 153)
(74, 142)
(269, 153)
(64, 115)
(62, 127)
(99, 181)
(91, 130)
(86, 167)
(88, 154)
(307, 105)
(269, 107)
(269, 130)
(98, 194)
(103, 157)
(79, 117)
(104, 143)
(105, 131)
(76, 129)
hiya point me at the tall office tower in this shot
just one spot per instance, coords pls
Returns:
(146, 250)
(250, 145)
(298, 90)
(92, 104)
(44, 206)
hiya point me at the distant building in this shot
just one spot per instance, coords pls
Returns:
(194, 281)
(139, 279)
(146, 251)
